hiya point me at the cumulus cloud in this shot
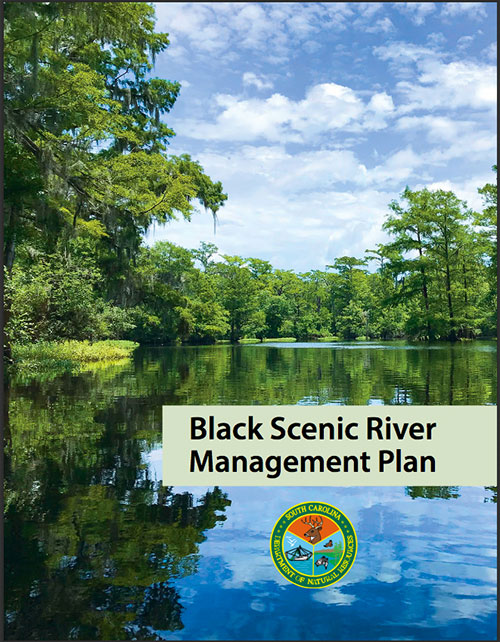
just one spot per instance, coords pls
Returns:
(448, 139)
(475, 10)
(439, 84)
(268, 27)
(450, 86)
(464, 42)
(491, 52)
(466, 190)
(276, 30)
(475, 146)
(369, 19)
(304, 208)
(273, 193)
(379, 108)
(326, 108)
(436, 39)
(258, 81)
(436, 128)
(311, 163)
(397, 168)
(399, 51)
(417, 12)
(384, 25)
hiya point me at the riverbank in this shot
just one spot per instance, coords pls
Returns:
(278, 340)
(334, 339)
(84, 465)
(56, 357)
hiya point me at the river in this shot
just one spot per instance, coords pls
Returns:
(97, 549)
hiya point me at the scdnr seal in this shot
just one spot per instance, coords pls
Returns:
(313, 544)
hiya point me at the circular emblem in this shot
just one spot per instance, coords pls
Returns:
(313, 544)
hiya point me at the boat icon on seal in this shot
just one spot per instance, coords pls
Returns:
(298, 554)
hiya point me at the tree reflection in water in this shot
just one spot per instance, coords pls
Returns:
(93, 544)
(100, 566)
(433, 492)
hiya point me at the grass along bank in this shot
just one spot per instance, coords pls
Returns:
(56, 357)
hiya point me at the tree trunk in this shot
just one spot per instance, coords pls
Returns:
(465, 287)
(452, 334)
(424, 285)
(9, 262)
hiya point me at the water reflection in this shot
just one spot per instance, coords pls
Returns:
(102, 567)
(424, 570)
(97, 549)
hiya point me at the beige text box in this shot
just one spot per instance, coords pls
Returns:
(383, 446)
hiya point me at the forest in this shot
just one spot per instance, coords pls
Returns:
(87, 172)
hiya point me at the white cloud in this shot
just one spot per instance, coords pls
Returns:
(397, 168)
(311, 166)
(369, 9)
(398, 52)
(450, 86)
(381, 103)
(276, 30)
(475, 146)
(258, 81)
(302, 209)
(436, 39)
(465, 190)
(416, 11)
(384, 25)
(439, 84)
(297, 207)
(491, 52)
(216, 28)
(474, 10)
(275, 170)
(380, 107)
(326, 108)
(464, 42)
(369, 21)
(451, 138)
(437, 128)
(311, 46)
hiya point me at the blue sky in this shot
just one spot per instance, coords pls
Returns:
(316, 115)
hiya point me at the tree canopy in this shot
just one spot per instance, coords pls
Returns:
(84, 122)
(87, 171)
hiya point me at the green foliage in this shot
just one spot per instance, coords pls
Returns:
(45, 360)
(85, 159)
(431, 282)
(438, 260)
(54, 299)
(87, 173)
(83, 510)
(209, 317)
(79, 351)
(353, 321)
(237, 291)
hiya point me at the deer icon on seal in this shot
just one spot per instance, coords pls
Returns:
(313, 533)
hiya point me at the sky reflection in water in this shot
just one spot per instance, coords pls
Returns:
(425, 569)
(96, 549)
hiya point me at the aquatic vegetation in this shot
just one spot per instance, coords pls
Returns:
(81, 351)
(48, 359)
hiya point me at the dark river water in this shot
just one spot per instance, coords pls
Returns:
(97, 549)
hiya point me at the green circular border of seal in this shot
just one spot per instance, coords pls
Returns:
(278, 554)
